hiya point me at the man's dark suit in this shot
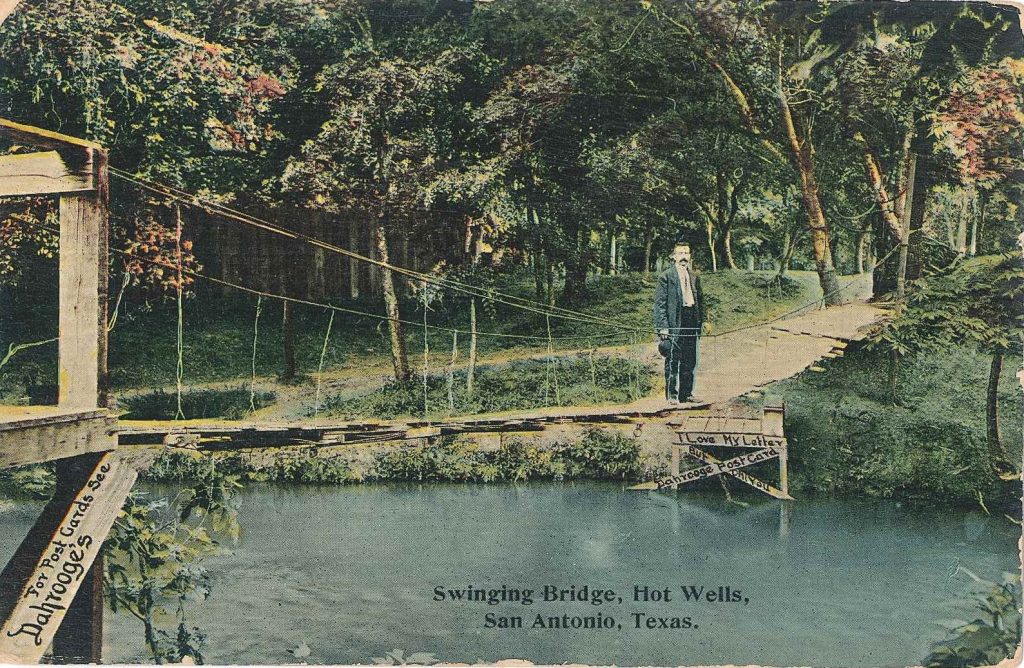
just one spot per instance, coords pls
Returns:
(683, 324)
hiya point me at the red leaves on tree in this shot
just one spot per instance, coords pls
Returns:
(266, 87)
(152, 257)
(981, 123)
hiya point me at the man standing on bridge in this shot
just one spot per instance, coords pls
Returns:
(679, 319)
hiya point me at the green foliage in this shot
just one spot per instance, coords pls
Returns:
(597, 456)
(154, 556)
(35, 481)
(448, 460)
(600, 455)
(846, 437)
(977, 301)
(987, 640)
(517, 385)
(291, 465)
(296, 466)
(231, 404)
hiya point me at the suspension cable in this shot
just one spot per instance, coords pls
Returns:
(224, 211)
(320, 368)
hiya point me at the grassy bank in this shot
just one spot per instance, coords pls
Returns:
(595, 455)
(847, 437)
(218, 331)
(229, 404)
(566, 381)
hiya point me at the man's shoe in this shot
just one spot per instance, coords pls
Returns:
(688, 400)
(672, 401)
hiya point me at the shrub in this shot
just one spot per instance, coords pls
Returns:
(597, 456)
(294, 466)
(846, 436)
(231, 404)
(601, 455)
(520, 385)
(987, 640)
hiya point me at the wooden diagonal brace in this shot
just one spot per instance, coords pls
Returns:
(739, 475)
(40, 581)
(718, 467)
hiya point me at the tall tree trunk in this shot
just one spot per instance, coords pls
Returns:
(802, 152)
(961, 231)
(399, 357)
(648, 250)
(471, 370)
(924, 176)
(613, 255)
(951, 226)
(353, 264)
(549, 269)
(290, 369)
(886, 203)
(406, 262)
(477, 243)
(709, 229)
(972, 246)
(996, 450)
(979, 225)
(901, 269)
(862, 246)
(538, 276)
(229, 243)
(576, 268)
(727, 241)
(788, 247)
(318, 277)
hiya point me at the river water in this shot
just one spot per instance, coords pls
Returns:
(350, 573)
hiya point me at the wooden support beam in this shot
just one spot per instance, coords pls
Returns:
(82, 365)
(80, 637)
(44, 173)
(773, 419)
(55, 437)
(50, 566)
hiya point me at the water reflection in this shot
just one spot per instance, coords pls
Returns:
(350, 572)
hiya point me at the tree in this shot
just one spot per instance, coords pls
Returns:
(380, 147)
(897, 71)
(154, 556)
(774, 50)
(976, 302)
(168, 105)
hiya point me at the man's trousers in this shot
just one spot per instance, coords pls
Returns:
(679, 366)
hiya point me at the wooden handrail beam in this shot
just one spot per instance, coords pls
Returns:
(44, 173)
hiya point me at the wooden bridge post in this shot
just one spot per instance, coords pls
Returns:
(675, 464)
(772, 421)
(55, 576)
(82, 345)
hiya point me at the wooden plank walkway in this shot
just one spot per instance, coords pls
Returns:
(731, 366)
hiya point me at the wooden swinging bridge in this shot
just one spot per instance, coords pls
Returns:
(51, 589)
